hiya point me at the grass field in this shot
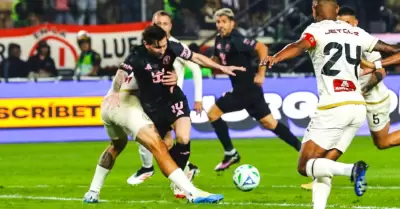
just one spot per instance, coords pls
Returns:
(37, 176)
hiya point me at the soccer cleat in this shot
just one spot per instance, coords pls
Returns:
(140, 176)
(228, 161)
(205, 197)
(307, 186)
(191, 171)
(178, 193)
(91, 197)
(358, 177)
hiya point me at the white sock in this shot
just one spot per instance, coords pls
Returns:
(146, 156)
(321, 190)
(98, 179)
(322, 167)
(183, 183)
(232, 152)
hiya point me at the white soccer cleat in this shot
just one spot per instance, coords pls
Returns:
(91, 197)
(204, 197)
(140, 176)
(178, 193)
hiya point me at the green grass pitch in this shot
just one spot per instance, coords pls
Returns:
(56, 176)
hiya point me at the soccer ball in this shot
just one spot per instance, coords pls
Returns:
(246, 177)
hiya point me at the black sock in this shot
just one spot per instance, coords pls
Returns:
(221, 129)
(284, 133)
(180, 153)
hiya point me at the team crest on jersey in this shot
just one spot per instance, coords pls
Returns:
(227, 47)
(219, 46)
(166, 60)
(343, 85)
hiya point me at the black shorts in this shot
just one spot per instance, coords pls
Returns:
(253, 101)
(165, 115)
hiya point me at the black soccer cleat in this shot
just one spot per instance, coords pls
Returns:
(228, 161)
(358, 177)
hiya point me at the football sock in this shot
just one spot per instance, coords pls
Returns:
(221, 129)
(321, 190)
(146, 157)
(180, 153)
(284, 133)
(322, 167)
(98, 179)
(183, 183)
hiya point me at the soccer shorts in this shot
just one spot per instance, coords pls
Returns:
(335, 128)
(127, 119)
(165, 115)
(253, 101)
(378, 114)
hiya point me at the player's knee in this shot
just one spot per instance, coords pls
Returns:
(119, 144)
(214, 114)
(169, 144)
(183, 139)
(382, 144)
(302, 169)
(269, 122)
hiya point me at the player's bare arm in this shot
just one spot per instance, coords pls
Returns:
(387, 48)
(262, 52)
(113, 98)
(377, 76)
(290, 51)
(205, 61)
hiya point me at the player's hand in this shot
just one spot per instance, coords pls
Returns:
(111, 100)
(229, 69)
(259, 79)
(198, 107)
(366, 67)
(170, 79)
(269, 61)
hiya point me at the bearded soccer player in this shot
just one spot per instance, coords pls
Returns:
(163, 19)
(231, 48)
(166, 106)
(123, 115)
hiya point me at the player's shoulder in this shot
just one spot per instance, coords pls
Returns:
(171, 38)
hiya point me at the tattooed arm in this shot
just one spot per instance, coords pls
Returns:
(377, 76)
(386, 48)
(119, 78)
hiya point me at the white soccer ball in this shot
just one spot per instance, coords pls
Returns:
(246, 177)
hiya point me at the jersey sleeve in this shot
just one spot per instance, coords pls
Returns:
(180, 50)
(128, 64)
(309, 35)
(244, 44)
(368, 42)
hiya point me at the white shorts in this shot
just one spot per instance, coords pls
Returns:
(378, 115)
(127, 119)
(335, 128)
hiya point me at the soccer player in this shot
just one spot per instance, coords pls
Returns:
(123, 115)
(231, 48)
(166, 106)
(163, 19)
(335, 48)
(376, 96)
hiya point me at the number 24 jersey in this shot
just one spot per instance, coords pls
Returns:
(336, 51)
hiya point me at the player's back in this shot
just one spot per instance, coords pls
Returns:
(336, 52)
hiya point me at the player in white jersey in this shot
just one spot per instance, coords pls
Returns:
(375, 92)
(335, 49)
(123, 115)
(162, 19)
